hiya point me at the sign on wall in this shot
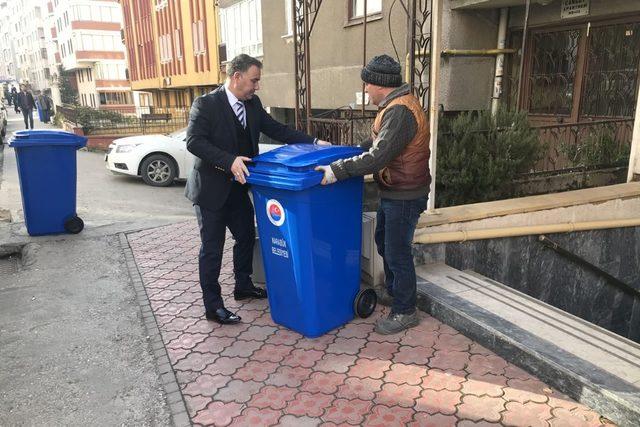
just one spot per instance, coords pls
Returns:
(574, 8)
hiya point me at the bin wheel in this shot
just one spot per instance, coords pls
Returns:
(365, 302)
(74, 225)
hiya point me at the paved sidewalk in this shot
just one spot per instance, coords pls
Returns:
(260, 374)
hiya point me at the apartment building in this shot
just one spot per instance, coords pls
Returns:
(7, 55)
(86, 39)
(26, 28)
(172, 48)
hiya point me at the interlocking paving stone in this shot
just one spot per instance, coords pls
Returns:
(261, 374)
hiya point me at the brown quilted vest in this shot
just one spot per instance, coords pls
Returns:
(410, 170)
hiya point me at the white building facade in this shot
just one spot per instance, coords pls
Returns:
(89, 43)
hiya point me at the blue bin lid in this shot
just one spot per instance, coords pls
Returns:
(42, 137)
(291, 167)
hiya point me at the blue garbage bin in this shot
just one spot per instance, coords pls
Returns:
(310, 237)
(47, 170)
(40, 112)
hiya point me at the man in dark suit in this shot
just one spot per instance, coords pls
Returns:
(26, 104)
(223, 132)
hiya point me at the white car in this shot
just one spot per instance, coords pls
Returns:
(158, 159)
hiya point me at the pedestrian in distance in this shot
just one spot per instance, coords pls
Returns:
(26, 104)
(398, 156)
(7, 95)
(14, 98)
(47, 107)
(223, 131)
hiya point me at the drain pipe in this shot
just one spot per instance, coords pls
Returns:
(497, 79)
(633, 173)
(423, 236)
(522, 55)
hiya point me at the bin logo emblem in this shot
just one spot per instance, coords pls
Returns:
(275, 212)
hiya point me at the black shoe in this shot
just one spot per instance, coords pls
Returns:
(223, 316)
(256, 293)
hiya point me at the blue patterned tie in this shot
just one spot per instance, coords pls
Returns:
(240, 113)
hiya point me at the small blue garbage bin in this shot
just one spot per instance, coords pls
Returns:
(310, 237)
(47, 170)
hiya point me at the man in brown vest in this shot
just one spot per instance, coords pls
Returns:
(398, 157)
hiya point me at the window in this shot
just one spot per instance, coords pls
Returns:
(99, 42)
(110, 71)
(166, 53)
(357, 8)
(556, 85)
(115, 98)
(177, 38)
(241, 28)
(198, 37)
(144, 100)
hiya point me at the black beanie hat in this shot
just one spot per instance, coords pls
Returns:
(383, 71)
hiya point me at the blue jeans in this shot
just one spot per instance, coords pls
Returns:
(396, 224)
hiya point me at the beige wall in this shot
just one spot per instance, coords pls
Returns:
(336, 53)
(466, 83)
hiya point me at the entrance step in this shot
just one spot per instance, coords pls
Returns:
(590, 364)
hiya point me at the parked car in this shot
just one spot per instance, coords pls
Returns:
(158, 159)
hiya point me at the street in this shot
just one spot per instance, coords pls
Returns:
(107, 203)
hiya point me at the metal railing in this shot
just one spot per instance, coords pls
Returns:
(126, 120)
(603, 143)
(343, 127)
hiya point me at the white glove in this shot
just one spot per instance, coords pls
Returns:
(329, 177)
(322, 142)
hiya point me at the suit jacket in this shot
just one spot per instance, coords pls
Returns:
(26, 101)
(212, 138)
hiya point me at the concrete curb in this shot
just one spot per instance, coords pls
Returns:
(173, 395)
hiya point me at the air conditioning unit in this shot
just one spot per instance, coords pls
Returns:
(371, 266)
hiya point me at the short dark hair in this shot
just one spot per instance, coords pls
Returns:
(242, 63)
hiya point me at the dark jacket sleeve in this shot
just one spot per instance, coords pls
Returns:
(278, 131)
(397, 130)
(199, 137)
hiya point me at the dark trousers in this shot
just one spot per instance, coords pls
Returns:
(396, 224)
(237, 215)
(27, 113)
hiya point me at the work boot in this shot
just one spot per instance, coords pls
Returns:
(395, 323)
